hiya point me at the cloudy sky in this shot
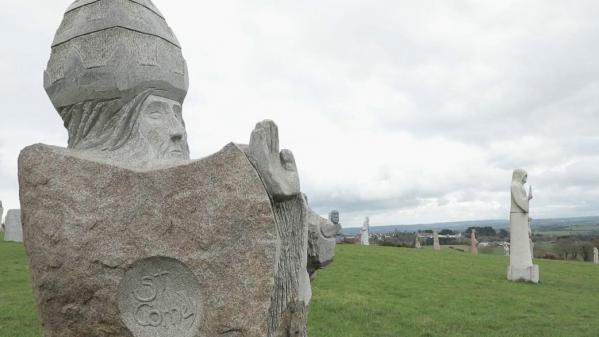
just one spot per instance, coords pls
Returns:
(406, 111)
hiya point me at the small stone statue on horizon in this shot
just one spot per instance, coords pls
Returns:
(473, 243)
(506, 248)
(364, 232)
(436, 245)
(595, 255)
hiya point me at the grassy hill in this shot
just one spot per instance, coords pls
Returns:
(391, 292)
(396, 292)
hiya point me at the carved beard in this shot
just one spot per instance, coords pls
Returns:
(106, 129)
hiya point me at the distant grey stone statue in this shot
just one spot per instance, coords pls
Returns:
(473, 243)
(321, 240)
(595, 255)
(521, 266)
(13, 228)
(417, 242)
(364, 232)
(436, 245)
(334, 218)
(145, 241)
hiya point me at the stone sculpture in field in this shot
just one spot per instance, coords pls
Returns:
(436, 245)
(521, 267)
(13, 230)
(128, 237)
(334, 218)
(364, 232)
(506, 249)
(417, 242)
(595, 255)
(321, 240)
(473, 243)
(1, 217)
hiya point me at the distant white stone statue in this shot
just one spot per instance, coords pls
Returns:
(595, 255)
(506, 248)
(364, 232)
(436, 245)
(473, 243)
(417, 242)
(13, 230)
(521, 267)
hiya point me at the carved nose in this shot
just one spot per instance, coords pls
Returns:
(177, 131)
(177, 137)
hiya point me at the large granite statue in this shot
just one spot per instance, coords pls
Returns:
(521, 267)
(436, 245)
(595, 255)
(334, 218)
(364, 232)
(473, 243)
(13, 229)
(128, 237)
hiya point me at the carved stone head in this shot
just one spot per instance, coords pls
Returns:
(118, 79)
(519, 176)
(334, 217)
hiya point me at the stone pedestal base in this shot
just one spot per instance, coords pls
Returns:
(528, 274)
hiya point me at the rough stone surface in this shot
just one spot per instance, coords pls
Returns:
(595, 255)
(321, 240)
(90, 229)
(13, 228)
(292, 292)
(521, 267)
(364, 232)
(473, 243)
(436, 245)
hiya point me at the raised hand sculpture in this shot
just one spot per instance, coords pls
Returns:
(277, 169)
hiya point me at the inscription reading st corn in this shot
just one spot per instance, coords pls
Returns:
(160, 296)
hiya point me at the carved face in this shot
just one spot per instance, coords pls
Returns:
(163, 129)
(525, 179)
(334, 217)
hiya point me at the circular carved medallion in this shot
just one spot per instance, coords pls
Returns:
(160, 297)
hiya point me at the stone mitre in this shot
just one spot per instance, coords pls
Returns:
(109, 49)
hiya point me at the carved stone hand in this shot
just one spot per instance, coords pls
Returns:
(530, 192)
(277, 169)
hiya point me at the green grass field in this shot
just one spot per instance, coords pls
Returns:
(17, 312)
(397, 292)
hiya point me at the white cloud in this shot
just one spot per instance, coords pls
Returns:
(410, 111)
